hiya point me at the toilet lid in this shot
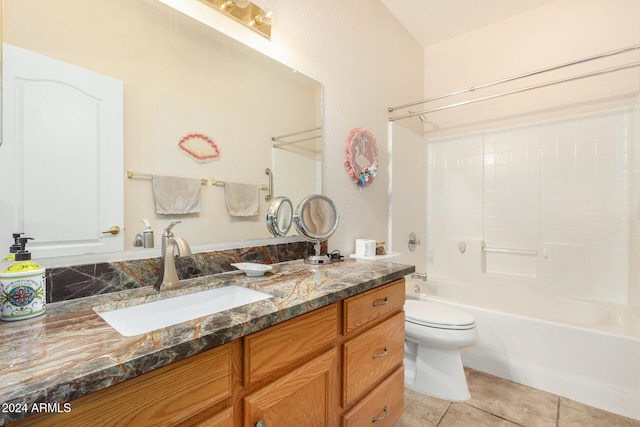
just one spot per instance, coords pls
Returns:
(435, 315)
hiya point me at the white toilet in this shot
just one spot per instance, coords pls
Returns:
(434, 336)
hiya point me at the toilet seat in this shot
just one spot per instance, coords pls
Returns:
(433, 315)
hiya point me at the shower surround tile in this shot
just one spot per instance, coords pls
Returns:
(562, 187)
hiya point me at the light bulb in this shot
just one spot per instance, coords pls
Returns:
(232, 3)
(267, 16)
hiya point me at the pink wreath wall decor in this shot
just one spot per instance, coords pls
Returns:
(199, 146)
(362, 157)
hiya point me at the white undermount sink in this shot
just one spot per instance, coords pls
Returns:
(150, 316)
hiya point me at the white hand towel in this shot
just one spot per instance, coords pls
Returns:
(242, 199)
(176, 195)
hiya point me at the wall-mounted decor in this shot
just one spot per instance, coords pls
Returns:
(199, 146)
(362, 157)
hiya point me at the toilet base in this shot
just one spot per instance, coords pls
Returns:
(437, 372)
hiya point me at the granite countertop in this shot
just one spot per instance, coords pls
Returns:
(71, 351)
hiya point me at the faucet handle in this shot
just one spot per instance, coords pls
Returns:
(167, 231)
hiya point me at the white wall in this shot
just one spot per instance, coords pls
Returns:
(550, 171)
(559, 32)
(366, 62)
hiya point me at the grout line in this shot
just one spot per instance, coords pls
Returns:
(495, 415)
(443, 415)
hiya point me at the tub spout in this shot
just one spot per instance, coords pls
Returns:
(422, 276)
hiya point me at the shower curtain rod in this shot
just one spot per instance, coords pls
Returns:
(280, 137)
(520, 76)
(511, 92)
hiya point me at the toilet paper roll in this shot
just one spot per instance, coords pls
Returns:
(365, 247)
(360, 247)
(370, 248)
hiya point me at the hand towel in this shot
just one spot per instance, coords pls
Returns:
(242, 199)
(176, 195)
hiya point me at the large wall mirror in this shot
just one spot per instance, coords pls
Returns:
(179, 77)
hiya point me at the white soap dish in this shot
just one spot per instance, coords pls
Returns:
(251, 268)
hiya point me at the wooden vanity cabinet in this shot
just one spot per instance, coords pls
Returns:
(339, 364)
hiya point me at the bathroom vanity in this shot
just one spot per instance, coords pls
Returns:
(326, 350)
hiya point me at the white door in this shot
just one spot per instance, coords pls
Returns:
(408, 195)
(61, 156)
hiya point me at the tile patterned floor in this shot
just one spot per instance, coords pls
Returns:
(496, 402)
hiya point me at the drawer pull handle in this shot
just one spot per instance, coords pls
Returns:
(378, 302)
(376, 419)
(386, 350)
(261, 423)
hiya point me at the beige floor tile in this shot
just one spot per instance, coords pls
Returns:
(512, 401)
(421, 410)
(463, 415)
(575, 414)
(500, 403)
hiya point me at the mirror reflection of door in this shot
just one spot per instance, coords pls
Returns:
(61, 158)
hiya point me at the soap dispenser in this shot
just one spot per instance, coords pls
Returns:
(147, 234)
(22, 286)
(144, 239)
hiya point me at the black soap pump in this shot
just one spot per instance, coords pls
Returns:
(13, 248)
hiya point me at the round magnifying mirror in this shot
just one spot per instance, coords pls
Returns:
(279, 216)
(316, 219)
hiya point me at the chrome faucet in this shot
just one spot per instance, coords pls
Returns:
(168, 276)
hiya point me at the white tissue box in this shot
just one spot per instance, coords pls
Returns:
(365, 247)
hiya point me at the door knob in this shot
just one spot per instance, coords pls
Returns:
(113, 230)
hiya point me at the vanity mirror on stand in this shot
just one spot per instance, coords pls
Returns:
(279, 216)
(316, 219)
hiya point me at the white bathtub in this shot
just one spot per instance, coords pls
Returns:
(585, 351)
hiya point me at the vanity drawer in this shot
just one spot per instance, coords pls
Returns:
(280, 346)
(369, 306)
(370, 356)
(384, 404)
(165, 396)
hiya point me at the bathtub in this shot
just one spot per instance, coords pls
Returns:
(585, 351)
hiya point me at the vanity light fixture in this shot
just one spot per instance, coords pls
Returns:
(247, 13)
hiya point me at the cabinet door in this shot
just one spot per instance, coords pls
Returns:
(301, 398)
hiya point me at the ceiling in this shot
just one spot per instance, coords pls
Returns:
(432, 21)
